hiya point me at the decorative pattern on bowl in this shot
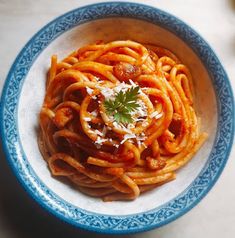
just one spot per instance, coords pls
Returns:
(102, 222)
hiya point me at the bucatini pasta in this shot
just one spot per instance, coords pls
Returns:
(118, 118)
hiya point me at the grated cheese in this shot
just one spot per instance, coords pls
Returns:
(99, 133)
(141, 138)
(99, 141)
(94, 113)
(121, 86)
(132, 83)
(120, 126)
(145, 123)
(89, 90)
(99, 87)
(87, 119)
(156, 115)
(97, 78)
(139, 119)
(138, 143)
(107, 92)
(128, 136)
(145, 146)
(130, 126)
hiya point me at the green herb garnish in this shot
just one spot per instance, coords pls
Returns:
(123, 104)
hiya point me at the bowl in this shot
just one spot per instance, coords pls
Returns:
(23, 95)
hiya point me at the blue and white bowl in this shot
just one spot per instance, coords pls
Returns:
(24, 91)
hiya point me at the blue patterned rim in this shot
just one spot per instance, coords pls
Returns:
(100, 222)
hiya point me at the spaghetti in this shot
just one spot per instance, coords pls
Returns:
(118, 119)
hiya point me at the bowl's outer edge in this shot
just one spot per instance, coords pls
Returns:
(99, 222)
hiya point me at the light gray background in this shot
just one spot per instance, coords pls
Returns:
(213, 217)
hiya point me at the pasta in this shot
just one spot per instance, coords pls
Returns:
(118, 119)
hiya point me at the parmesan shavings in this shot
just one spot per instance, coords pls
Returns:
(139, 119)
(89, 90)
(132, 83)
(140, 139)
(107, 92)
(97, 78)
(87, 119)
(94, 113)
(99, 133)
(156, 115)
(120, 126)
(145, 146)
(145, 123)
(99, 141)
(128, 136)
(121, 86)
(99, 87)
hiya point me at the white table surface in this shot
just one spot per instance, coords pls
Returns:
(21, 217)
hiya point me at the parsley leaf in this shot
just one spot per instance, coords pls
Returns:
(123, 104)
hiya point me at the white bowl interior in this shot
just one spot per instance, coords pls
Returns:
(32, 95)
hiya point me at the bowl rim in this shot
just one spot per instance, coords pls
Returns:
(102, 223)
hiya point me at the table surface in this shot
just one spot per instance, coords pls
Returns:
(213, 217)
